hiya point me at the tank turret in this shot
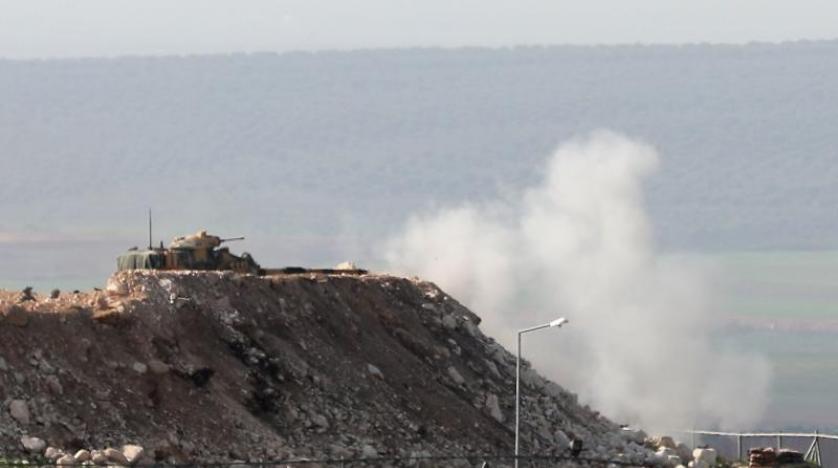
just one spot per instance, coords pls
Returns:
(200, 240)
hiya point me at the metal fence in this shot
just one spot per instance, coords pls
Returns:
(821, 449)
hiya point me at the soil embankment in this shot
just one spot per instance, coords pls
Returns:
(218, 366)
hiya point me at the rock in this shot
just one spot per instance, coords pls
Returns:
(449, 322)
(114, 456)
(54, 385)
(441, 352)
(418, 456)
(530, 378)
(562, 440)
(707, 456)
(82, 456)
(345, 266)
(368, 451)
(115, 287)
(683, 451)
(33, 444)
(499, 354)
(664, 441)
(375, 372)
(16, 316)
(633, 435)
(52, 453)
(456, 376)
(493, 406)
(45, 367)
(55, 294)
(99, 302)
(472, 329)
(3, 366)
(158, 367)
(664, 453)
(339, 451)
(320, 421)
(132, 453)
(19, 410)
(139, 367)
(98, 457)
(65, 460)
(789, 457)
(493, 368)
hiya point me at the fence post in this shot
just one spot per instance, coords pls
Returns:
(818, 448)
(779, 441)
(739, 446)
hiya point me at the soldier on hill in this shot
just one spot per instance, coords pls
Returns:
(26, 295)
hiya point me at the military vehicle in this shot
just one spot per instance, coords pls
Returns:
(199, 251)
(202, 251)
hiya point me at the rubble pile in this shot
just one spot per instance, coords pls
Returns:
(765, 457)
(758, 457)
(789, 457)
(128, 455)
(674, 454)
(219, 367)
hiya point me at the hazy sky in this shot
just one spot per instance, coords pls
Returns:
(73, 28)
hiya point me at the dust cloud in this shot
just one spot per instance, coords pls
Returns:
(639, 346)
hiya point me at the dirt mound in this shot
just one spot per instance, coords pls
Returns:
(217, 366)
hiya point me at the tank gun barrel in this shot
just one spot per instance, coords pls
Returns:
(232, 239)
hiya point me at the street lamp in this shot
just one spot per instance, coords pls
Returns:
(555, 323)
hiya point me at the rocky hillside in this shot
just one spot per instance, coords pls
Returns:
(219, 367)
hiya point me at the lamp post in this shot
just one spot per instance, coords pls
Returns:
(555, 323)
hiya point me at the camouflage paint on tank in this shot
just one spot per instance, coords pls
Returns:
(199, 251)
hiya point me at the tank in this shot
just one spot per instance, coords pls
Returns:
(199, 251)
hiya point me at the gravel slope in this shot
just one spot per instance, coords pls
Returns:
(219, 366)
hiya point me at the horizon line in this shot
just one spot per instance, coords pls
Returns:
(337, 50)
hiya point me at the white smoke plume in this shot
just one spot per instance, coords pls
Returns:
(580, 245)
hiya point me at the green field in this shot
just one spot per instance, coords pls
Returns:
(805, 377)
(797, 294)
(777, 284)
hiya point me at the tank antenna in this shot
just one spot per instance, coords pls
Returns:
(149, 229)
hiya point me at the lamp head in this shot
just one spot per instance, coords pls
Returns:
(558, 322)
